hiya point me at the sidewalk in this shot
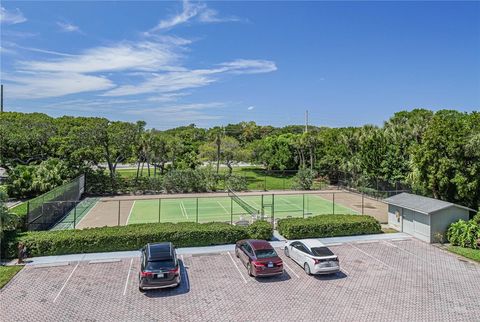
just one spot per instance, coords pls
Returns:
(46, 260)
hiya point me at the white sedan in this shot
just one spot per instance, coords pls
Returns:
(313, 256)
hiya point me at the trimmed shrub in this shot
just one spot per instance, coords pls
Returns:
(236, 183)
(260, 230)
(303, 180)
(131, 237)
(328, 226)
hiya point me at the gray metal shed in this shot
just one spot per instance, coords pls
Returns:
(423, 217)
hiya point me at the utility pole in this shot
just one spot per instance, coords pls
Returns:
(306, 121)
(1, 98)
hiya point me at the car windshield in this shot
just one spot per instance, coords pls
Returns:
(322, 251)
(157, 265)
(265, 253)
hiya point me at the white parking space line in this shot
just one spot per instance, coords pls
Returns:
(128, 277)
(130, 213)
(406, 251)
(104, 261)
(291, 269)
(65, 284)
(238, 269)
(185, 273)
(374, 258)
(344, 270)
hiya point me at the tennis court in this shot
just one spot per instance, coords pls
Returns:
(231, 209)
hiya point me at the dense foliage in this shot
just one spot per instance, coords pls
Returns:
(434, 153)
(134, 237)
(328, 226)
(464, 233)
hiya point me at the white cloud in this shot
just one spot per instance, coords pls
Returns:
(250, 66)
(250, 108)
(190, 12)
(11, 17)
(45, 84)
(68, 27)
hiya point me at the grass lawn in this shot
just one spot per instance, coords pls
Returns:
(224, 209)
(7, 273)
(20, 209)
(256, 177)
(466, 252)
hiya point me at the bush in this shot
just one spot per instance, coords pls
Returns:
(131, 237)
(464, 233)
(236, 183)
(476, 218)
(303, 180)
(260, 230)
(328, 226)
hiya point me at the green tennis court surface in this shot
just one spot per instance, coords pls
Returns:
(226, 209)
(76, 214)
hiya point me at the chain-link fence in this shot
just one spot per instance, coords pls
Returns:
(46, 210)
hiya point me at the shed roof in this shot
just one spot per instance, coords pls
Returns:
(421, 204)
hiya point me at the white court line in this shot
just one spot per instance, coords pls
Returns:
(376, 259)
(65, 284)
(130, 213)
(185, 273)
(184, 211)
(128, 277)
(238, 269)
(226, 211)
(84, 216)
(290, 269)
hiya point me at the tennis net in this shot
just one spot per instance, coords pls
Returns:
(242, 203)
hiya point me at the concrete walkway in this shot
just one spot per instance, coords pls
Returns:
(64, 259)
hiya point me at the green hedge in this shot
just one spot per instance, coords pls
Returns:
(131, 237)
(328, 226)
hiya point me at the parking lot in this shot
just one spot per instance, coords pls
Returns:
(383, 280)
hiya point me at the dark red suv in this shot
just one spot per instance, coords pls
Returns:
(259, 257)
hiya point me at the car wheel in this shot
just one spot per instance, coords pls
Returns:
(249, 269)
(286, 252)
(306, 267)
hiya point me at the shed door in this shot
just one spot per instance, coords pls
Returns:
(408, 226)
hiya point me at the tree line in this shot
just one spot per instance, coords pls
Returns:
(433, 153)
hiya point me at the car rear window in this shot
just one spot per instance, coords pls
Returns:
(322, 251)
(265, 253)
(164, 264)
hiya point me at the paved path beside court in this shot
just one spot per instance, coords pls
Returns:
(46, 260)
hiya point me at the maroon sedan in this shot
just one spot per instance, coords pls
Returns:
(259, 257)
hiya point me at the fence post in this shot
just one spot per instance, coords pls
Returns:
(118, 217)
(74, 215)
(159, 208)
(273, 210)
(265, 182)
(333, 203)
(303, 204)
(363, 203)
(196, 213)
(263, 210)
(231, 211)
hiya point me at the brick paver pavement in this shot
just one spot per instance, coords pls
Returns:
(381, 281)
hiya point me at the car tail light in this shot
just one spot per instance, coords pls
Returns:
(258, 264)
(175, 270)
(146, 274)
(316, 261)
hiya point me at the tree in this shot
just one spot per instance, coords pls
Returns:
(228, 152)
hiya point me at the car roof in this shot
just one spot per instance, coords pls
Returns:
(311, 243)
(159, 251)
(259, 244)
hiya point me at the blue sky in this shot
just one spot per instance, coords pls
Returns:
(213, 63)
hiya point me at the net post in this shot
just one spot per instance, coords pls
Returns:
(231, 211)
(118, 216)
(159, 208)
(333, 203)
(196, 211)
